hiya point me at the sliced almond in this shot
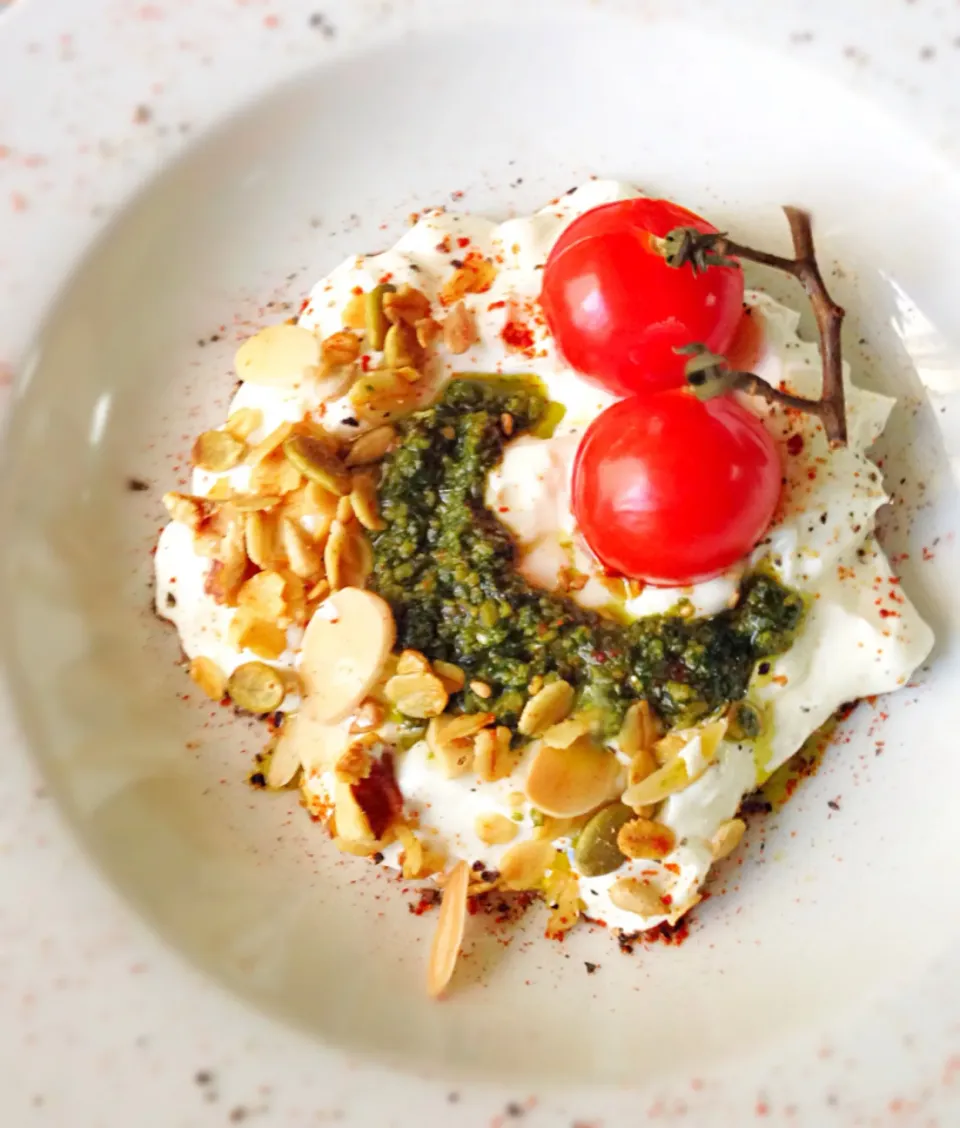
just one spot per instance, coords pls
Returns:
(243, 422)
(264, 595)
(284, 759)
(546, 708)
(525, 865)
(225, 577)
(640, 729)
(372, 446)
(676, 774)
(275, 476)
(209, 677)
(345, 647)
(493, 758)
(727, 838)
(567, 782)
(635, 896)
(248, 631)
(450, 928)
(357, 564)
(352, 823)
(217, 451)
(333, 555)
(646, 838)
(417, 695)
(453, 678)
(363, 498)
(317, 746)
(281, 356)
(495, 829)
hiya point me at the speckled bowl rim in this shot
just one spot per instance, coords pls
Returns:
(113, 58)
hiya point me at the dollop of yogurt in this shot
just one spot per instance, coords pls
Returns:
(822, 541)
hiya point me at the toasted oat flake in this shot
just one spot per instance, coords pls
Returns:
(383, 395)
(264, 596)
(333, 555)
(217, 451)
(450, 928)
(727, 838)
(261, 538)
(243, 422)
(413, 662)
(459, 330)
(209, 677)
(354, 764)
(495, 829)
(304, 558)
(525, 865)
(225, 577)
(640, 729)
(187, 510)
(267, 445)
(368, 716)
(546, 708)
(275, 476)
(427, 331)
(563, 734)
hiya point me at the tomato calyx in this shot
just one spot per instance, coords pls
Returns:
(706, 372)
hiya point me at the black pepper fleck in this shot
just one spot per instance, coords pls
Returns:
(456, 263)
(137, 485)
(258, 779)
(833, 805)
(377, 858)
(171, 599)
(513, 1109)
(351, 422)
(591, 967)
(763, 668)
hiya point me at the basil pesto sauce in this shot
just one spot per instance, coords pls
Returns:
(447, 567)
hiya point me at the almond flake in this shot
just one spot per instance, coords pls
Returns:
(339, 350)
(261, 538)
(494, 829)
(413, 662)
(217, 451)
(275, 475)
(727, 838)
(567, 782)
(450, 928)
(354, 764)
(284, 758)
(188, 510)
(640, 729)
(452, 676)
(427, 331)
(269, 444)
(243, 422)
(546, 708)
(263, 596)
(249, 632)
(563, 734)
(305, 560)
(281, 356)
(406, 304)
(355, 312)
(363, 497)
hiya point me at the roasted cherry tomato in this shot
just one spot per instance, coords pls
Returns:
(616, 309)
(673, 490)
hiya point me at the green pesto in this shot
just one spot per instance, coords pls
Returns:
(446, 565)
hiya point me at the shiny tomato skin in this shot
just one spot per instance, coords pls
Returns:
(671, 490)
(617, 310)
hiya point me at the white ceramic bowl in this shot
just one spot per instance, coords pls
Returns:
(841, 912)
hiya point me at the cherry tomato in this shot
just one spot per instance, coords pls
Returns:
(617, 310)
(672, 490)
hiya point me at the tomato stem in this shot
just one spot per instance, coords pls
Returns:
(686, 245)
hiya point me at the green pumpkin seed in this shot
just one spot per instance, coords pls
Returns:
(745, 721)
(316, 461)
(597, 851)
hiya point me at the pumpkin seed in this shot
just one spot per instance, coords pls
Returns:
(745, 721)
(256, 687)
(597, 851)
(317, 461)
